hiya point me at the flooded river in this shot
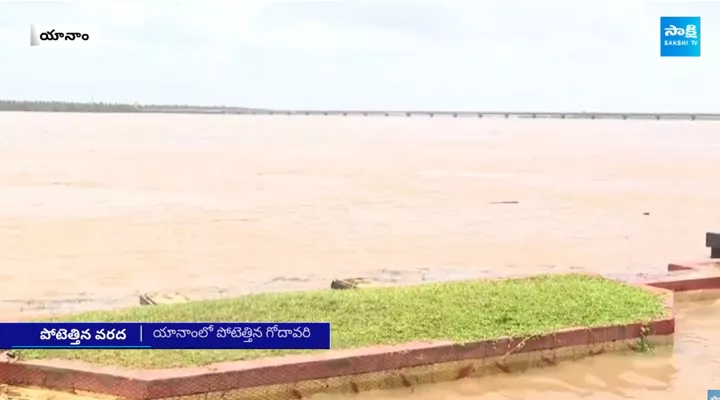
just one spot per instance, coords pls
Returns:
(97, 207)
(685, 371)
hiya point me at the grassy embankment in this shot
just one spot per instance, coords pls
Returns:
(459, 311)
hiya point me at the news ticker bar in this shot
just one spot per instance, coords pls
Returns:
(166, 335)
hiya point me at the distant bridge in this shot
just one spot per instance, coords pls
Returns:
(454, 114)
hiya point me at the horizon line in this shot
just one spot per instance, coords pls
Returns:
(94, 106)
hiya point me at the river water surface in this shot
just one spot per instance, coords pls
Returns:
(97, 207)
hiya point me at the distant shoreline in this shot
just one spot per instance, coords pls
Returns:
(60, 106)
(63, 106)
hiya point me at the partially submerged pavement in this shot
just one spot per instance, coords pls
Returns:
(353, 371)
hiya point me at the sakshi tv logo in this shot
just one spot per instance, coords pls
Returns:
(680, 37)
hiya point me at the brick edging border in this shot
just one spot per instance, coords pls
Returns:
(288, 370)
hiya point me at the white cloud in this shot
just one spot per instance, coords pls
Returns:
(519, 54)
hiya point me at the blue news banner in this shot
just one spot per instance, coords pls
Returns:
(168, 335)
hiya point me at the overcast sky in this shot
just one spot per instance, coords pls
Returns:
(601, 55)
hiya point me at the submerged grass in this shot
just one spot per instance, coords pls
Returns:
(459, 311)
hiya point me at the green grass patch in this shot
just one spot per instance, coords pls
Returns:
(460, 311)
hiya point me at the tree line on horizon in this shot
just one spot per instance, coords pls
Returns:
(67, 106)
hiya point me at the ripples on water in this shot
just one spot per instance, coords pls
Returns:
(97, 207)
(685, 371)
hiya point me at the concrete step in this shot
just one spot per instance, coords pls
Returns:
(712, 240)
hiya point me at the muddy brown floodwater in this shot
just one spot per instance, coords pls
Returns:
(685, 372)
(97, 207)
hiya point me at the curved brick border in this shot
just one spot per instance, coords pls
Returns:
(296, 377)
